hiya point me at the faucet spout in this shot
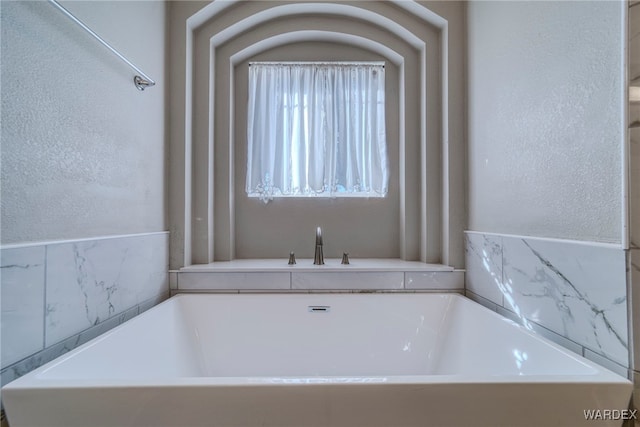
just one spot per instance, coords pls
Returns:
(318, 258)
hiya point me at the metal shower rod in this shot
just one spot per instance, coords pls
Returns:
(142, 81)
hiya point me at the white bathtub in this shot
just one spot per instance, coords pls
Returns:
(316, 360)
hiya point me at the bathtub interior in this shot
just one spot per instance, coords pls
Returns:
(479, 341)
(155, 345)
(316, 335)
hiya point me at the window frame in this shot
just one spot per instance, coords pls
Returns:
(374, 143)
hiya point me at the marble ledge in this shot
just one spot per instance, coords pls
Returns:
(81, 240)
(551, 240)
(306, 265)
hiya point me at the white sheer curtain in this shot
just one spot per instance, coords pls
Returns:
(316, 129)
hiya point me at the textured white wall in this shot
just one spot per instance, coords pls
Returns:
(546, 119)
(83, 151)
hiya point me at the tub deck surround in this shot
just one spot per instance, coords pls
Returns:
(360, 274)
(306, 265)
(356, 359)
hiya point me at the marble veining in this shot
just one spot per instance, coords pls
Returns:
(574, 289)
(578, 291)
(483, 255)
(557, 286)
(85, 282)
(77, 287)
(22, 272)
(91, 281)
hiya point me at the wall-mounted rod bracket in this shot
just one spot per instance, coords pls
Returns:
(142, 81)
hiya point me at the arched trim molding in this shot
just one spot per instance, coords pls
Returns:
(262, 17)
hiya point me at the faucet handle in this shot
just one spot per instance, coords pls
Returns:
(345, 258)
(292, 258)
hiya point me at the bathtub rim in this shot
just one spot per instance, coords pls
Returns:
(33, 379)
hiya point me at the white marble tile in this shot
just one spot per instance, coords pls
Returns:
(575, 290)
(436, 280)
(231, 281)
(22, 273)
(356, 280)
(90, 281)
(483, 258)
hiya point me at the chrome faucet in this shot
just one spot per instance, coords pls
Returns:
(318, 258)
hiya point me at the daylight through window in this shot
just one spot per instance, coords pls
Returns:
(316, 129)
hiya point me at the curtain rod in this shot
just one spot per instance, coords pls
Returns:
(142, 81)
(345, 63)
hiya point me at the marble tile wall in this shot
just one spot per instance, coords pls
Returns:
(56, 296)
(575, 290)
(22, 272)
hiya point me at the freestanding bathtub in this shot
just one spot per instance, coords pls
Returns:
(316, 360)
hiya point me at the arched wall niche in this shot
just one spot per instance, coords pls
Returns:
(273, 230)
(221, 38)
(343, 220)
